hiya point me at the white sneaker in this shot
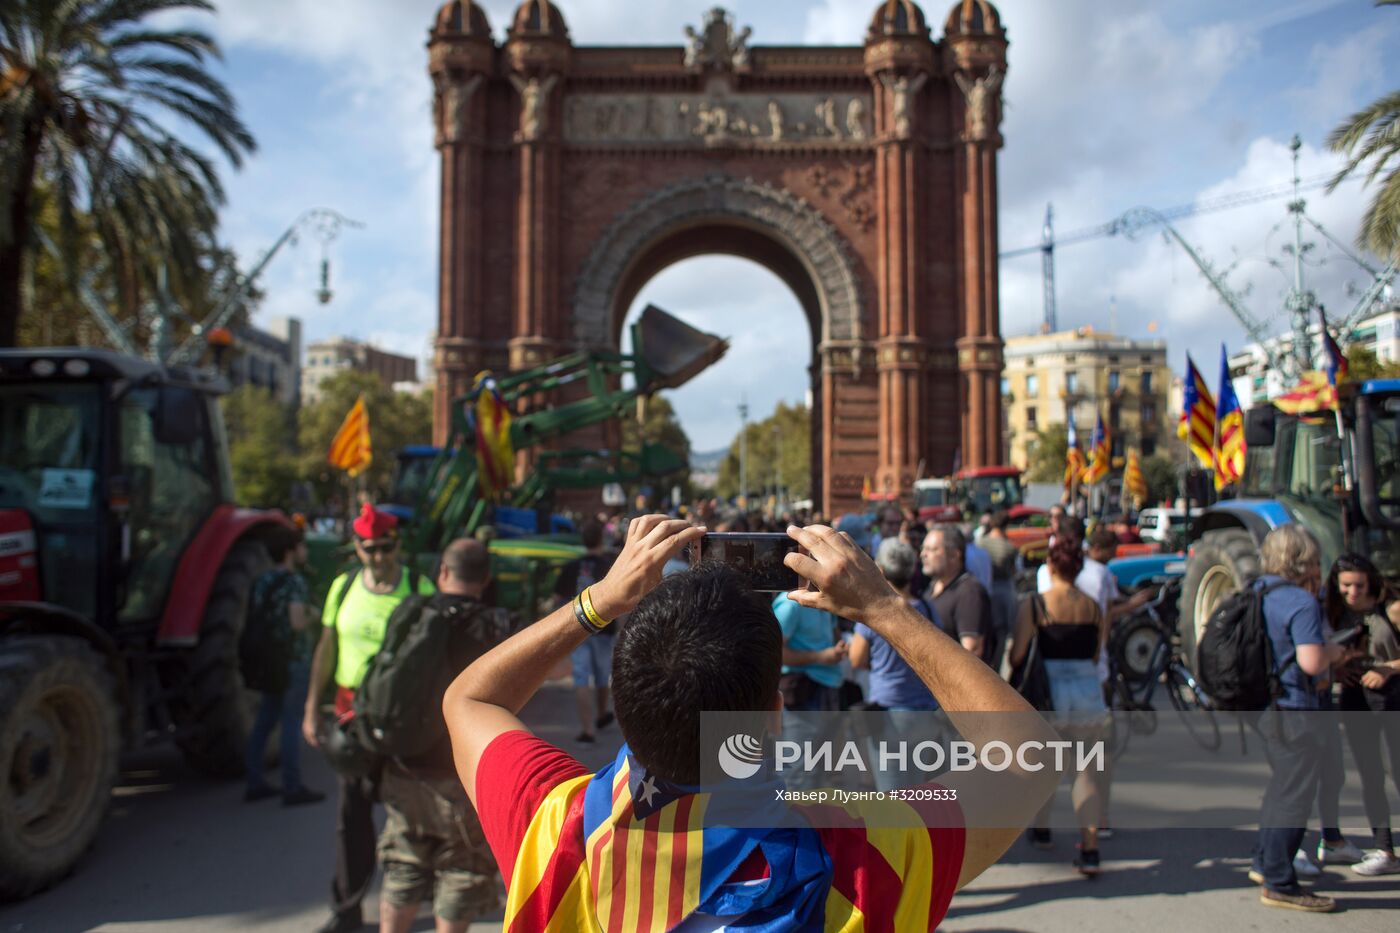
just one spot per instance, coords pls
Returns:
(1303, 866)
(1377, 862)
(1345, 854)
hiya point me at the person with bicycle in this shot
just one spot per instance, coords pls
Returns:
(1072, 630)
(1358, 599)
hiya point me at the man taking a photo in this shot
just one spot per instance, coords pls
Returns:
(701, 641)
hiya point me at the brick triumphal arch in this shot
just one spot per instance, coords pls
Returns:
(863, 176)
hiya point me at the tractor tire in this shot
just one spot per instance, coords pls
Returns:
(212, 711)
(59, 741)
(1221, 563)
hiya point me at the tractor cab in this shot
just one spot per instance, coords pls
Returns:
(108, 467)
(986, 489)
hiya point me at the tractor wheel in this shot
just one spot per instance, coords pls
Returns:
(1222, 562)
(213, 713)
(59, 739)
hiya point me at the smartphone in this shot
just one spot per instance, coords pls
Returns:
(758, 557)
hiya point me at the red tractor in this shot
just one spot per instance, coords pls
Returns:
(124, 576)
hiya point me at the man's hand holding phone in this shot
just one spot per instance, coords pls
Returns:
(848, 584)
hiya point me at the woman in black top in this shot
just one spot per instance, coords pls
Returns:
(1072, 631)
(1357, 598)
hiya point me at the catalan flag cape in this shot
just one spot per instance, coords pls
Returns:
(1313, 393)
(1229, 430)
(1134, 483)
(1100, 454)
(350, 449)
(490, 419)
(622, 851)
(1197, 426)
(1074, 457)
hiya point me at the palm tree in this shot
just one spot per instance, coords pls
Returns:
(90, 97)
(1372, 134)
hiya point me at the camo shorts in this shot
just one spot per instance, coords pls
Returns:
(432, 846)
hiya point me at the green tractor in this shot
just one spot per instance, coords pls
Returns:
(1337, 475)
(124, 576)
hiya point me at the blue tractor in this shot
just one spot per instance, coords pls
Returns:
(1335, 475)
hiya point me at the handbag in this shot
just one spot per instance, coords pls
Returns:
(1029, 678)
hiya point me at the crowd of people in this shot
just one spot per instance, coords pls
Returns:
(900, 612)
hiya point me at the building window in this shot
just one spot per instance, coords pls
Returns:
(1030, 418)
(1113, 359)
(1005, 387)
(1149, 413)
(1071, 382)
(1032, 386)
(1114, 417)
(1117, 446)
(1147, 382)
(1149, 446)
(1113, 380)
(1146, 360)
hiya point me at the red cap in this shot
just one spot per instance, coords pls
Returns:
(373, 523)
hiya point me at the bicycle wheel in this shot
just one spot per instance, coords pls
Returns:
(1119, 727)
(1194, 707)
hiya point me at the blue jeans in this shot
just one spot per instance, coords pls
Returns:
(285, 708)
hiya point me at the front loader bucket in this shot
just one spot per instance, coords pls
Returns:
(672, 351)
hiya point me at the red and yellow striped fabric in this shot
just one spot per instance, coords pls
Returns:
(644, 874)
(350, 449)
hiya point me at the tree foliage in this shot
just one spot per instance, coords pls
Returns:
(1047, 454)
(396, 419)
(659, 425)
(88, 92)
(1362, 364)
(1163, 479)
(1372, 135)
(262, 447)
(779, 455)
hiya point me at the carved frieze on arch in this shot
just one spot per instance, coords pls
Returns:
(717, 198)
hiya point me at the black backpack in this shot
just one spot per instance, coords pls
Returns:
(265, 645)
(398, 706)
(1235, 661)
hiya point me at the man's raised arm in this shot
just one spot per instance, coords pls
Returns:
(486, 698)
(852, 586)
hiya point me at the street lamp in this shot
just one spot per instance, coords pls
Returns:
(743, 453)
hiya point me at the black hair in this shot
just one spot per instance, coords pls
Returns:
(281, 539)
(468, 560)
(591, 531)
(1353, 563)
(701, 641)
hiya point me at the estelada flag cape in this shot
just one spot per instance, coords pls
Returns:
(624, 852)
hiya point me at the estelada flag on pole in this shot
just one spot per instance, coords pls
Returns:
(1074, 457)
(495, 454)
(1100, 453)
(1229, 429)
(351, 450)
(1197, 426)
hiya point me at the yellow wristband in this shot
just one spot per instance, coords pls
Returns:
(590, 612)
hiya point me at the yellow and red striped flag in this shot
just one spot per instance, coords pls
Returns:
(1134, 482)
(1197, 425)
(350, 450)
(495, 455)
(1100, 454)
(1312, 393)
(1229, 430)
(1074, 457)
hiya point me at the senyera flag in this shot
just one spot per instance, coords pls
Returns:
(1074, 457)
(1314, 392)
(1099, 454)
(1197, 425)
(1133, 479)
(350, 450)
(1229, 430)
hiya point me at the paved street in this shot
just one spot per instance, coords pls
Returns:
(180, 853)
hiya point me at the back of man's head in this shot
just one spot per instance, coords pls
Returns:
(467, 561)
(1103, 541)
(896, 560)
(591, 531)
(700, 641)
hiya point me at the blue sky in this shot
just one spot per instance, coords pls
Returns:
(1108, 106)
